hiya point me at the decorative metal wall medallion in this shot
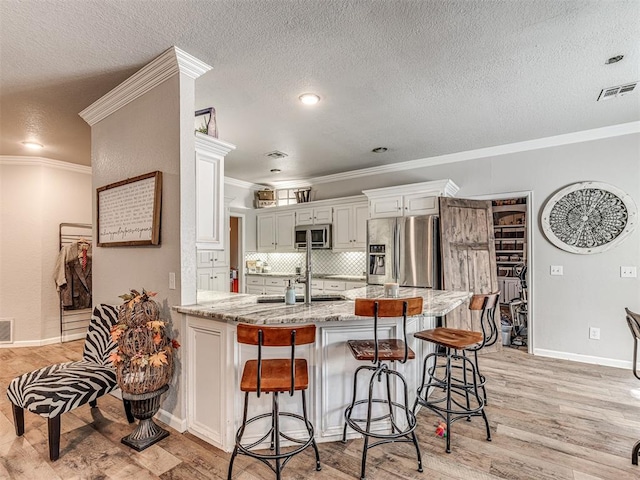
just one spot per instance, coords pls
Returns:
(589, 217)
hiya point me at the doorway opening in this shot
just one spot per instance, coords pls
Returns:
(510, 234)
(236, 252)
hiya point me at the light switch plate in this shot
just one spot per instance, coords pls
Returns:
(557, 270)
(172, 280)
(628, 272)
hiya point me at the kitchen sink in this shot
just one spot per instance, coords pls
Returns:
(300, 298)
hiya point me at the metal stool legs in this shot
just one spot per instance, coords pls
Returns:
(278, 459)
(398, 433)
(448, 395)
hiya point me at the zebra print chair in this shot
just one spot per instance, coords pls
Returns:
(56, 389)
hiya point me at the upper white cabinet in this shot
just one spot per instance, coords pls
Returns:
(210, 214)
(314, 216)
(350, 227)
(276, 232)
(405, 200)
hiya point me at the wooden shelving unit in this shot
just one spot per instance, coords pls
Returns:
(511, 246)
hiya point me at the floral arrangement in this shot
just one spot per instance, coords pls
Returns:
(144, 358)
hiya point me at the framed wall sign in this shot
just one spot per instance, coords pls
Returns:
(129, 211)
(589, 217)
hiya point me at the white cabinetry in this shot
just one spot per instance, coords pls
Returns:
(405, 200)
(350, 227)
(275, 232)
(213, 279)
(509, 288)
(314, 216)
(210, 217)
(206, 386)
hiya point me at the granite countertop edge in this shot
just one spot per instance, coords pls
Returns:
(319, 276)
(234, 307)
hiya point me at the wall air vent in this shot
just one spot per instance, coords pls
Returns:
(619, 91)
(6, 330)
(276, 154)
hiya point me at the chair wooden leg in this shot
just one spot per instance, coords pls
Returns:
(127, 410)
(18, 420)
(54, 437)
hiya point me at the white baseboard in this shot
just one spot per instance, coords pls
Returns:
(576, 357)
(162, 415)
(43, 342)
(174, 422)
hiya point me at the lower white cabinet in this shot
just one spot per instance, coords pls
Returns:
(215, 362)
(207, 377)
(213, 279)
(509, 288)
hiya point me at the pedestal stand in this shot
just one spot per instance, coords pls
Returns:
(143, 407)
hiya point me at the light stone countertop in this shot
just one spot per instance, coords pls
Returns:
(319, 276)
(239, 307)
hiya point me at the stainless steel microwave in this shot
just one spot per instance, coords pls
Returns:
(320, 236)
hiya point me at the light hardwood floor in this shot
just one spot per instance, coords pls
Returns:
(550, 419)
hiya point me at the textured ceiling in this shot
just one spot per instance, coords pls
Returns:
(422, 78)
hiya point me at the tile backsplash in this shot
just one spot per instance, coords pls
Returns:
(322, 262)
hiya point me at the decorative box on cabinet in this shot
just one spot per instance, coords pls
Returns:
(275, 232)
(210, 214)
(350, 227)
(412, 199)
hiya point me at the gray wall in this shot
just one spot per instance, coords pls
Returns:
(151, 133)
(591, 292)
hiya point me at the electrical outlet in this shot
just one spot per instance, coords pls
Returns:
(628, 272)
(556, 270)
(594, 333)
(172, 280)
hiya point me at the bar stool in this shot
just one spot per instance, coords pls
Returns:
(487, 305)
(378, 352)
(275, 376)
(450, 396)
(633, 320)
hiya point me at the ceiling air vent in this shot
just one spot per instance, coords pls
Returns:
(276, 154)
(619, 91)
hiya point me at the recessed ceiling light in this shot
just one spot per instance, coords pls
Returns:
(615, 59)
(275, 170)
(379, 149)
(33, 145)
(309, 98)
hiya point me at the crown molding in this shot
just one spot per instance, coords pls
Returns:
(210, 144)
(44, 162)
(539, 143)
(163, 67)
(234, 182)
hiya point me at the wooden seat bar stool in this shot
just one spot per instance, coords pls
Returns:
(399, 415)
(633, 320)
(452, 389)
(275, 376)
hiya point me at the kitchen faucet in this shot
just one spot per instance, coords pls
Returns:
(306, 279)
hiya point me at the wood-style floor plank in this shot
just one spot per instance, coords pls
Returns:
(550, 419)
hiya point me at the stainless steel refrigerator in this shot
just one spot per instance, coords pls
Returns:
(404, 250)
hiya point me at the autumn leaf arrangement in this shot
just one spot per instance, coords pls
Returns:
(144, 357)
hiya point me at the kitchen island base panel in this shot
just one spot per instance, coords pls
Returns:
(214, 362)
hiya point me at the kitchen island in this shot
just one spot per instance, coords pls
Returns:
(213, 359)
